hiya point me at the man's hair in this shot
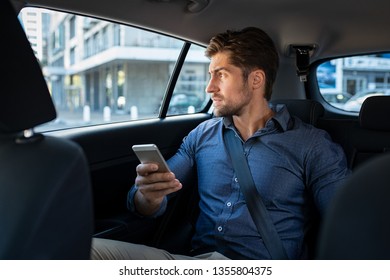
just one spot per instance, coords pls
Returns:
(250, 49)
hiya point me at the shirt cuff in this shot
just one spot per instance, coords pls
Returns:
(131, 204)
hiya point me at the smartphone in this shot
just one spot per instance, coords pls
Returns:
(147, 153)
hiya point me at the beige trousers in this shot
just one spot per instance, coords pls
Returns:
(107, 249)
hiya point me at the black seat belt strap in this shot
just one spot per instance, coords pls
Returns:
(252, 197)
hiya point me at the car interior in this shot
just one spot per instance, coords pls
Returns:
(70, 184)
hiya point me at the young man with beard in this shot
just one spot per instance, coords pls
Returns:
(292, 163)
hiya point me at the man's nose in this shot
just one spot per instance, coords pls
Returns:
(210, 87)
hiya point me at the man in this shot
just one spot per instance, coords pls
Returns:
(292, 163)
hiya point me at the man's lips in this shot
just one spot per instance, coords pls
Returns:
(216, 101)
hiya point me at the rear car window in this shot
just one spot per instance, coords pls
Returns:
(346, 82)
(189, 95)
(102, 72)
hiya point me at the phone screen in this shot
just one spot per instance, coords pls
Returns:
(148, 153)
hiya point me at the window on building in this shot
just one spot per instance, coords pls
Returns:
(346, 82)
(72, 56)
(113, 73)
(57, 37)
(72, 27)
(116, 34)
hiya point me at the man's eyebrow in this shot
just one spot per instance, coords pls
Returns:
(218, 69)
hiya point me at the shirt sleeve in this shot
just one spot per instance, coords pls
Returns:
(326, 169)
(131, 204)
(183, 163)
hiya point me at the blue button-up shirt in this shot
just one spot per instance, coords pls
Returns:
(292, 164)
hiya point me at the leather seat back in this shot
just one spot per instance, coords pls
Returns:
(45, 193)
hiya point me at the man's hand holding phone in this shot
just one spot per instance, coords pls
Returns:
(154, 179)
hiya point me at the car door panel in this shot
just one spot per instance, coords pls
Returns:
(112, 165)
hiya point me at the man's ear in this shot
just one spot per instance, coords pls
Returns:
(258, 78)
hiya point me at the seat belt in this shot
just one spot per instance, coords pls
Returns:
(252, 197)
(302, 60)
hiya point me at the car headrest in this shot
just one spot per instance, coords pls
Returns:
(25, 100)
(308, 111)
(375, 113)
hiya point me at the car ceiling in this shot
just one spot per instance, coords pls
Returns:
(335, 27)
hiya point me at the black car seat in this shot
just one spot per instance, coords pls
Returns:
(357, 225)
(373, 136)
(45, 193)
(309, 111)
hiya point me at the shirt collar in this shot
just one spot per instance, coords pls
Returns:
(281, 119)
(282, 116)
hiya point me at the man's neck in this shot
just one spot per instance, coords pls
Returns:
(247, 124)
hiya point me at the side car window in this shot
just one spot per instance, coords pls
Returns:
(346, 82)
(103, 72)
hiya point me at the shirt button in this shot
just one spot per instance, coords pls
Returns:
(219, 228)
(228, 204)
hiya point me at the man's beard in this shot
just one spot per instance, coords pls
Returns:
(236, 109)
(228, 111)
